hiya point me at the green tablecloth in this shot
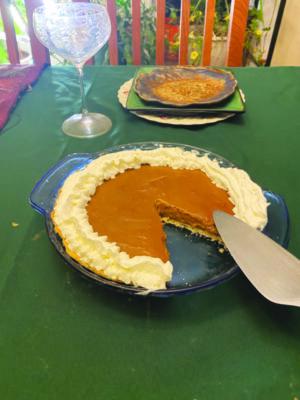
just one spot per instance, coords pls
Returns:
(63, 337)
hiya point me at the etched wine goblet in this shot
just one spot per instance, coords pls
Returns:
(75, 31)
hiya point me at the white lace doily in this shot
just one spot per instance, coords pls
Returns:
(179, 120)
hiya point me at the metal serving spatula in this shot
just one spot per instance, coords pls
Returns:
(269, 267)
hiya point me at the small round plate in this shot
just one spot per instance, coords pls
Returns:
(198, 262)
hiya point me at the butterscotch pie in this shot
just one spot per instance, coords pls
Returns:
(110, 215)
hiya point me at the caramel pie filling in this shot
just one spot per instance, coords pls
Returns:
(129, 208)
(188, 90)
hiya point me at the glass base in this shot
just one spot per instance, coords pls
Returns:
(91, 125)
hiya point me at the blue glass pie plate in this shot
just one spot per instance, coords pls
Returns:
(198, 262)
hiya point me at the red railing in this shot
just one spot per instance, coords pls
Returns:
(235, 40)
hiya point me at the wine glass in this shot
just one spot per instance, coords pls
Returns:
(75, 31)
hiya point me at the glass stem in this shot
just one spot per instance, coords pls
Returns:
(83, 101)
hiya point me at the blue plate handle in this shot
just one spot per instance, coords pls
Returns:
(45, 191)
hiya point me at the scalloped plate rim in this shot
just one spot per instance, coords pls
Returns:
(155, 99)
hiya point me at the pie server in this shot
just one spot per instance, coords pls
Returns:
(269, 267)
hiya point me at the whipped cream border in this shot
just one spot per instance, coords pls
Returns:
(103, 257)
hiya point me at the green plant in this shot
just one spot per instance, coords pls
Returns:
(196, 28)
(21, 10)
(255, 37)
(195, 43)
(173, 45)
(3, 54)
(221, 19)
(172, 13)
(197, 14)
(20, 28)
(254, 45)
(148, 33)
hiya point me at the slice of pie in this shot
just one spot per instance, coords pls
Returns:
(110, 215)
